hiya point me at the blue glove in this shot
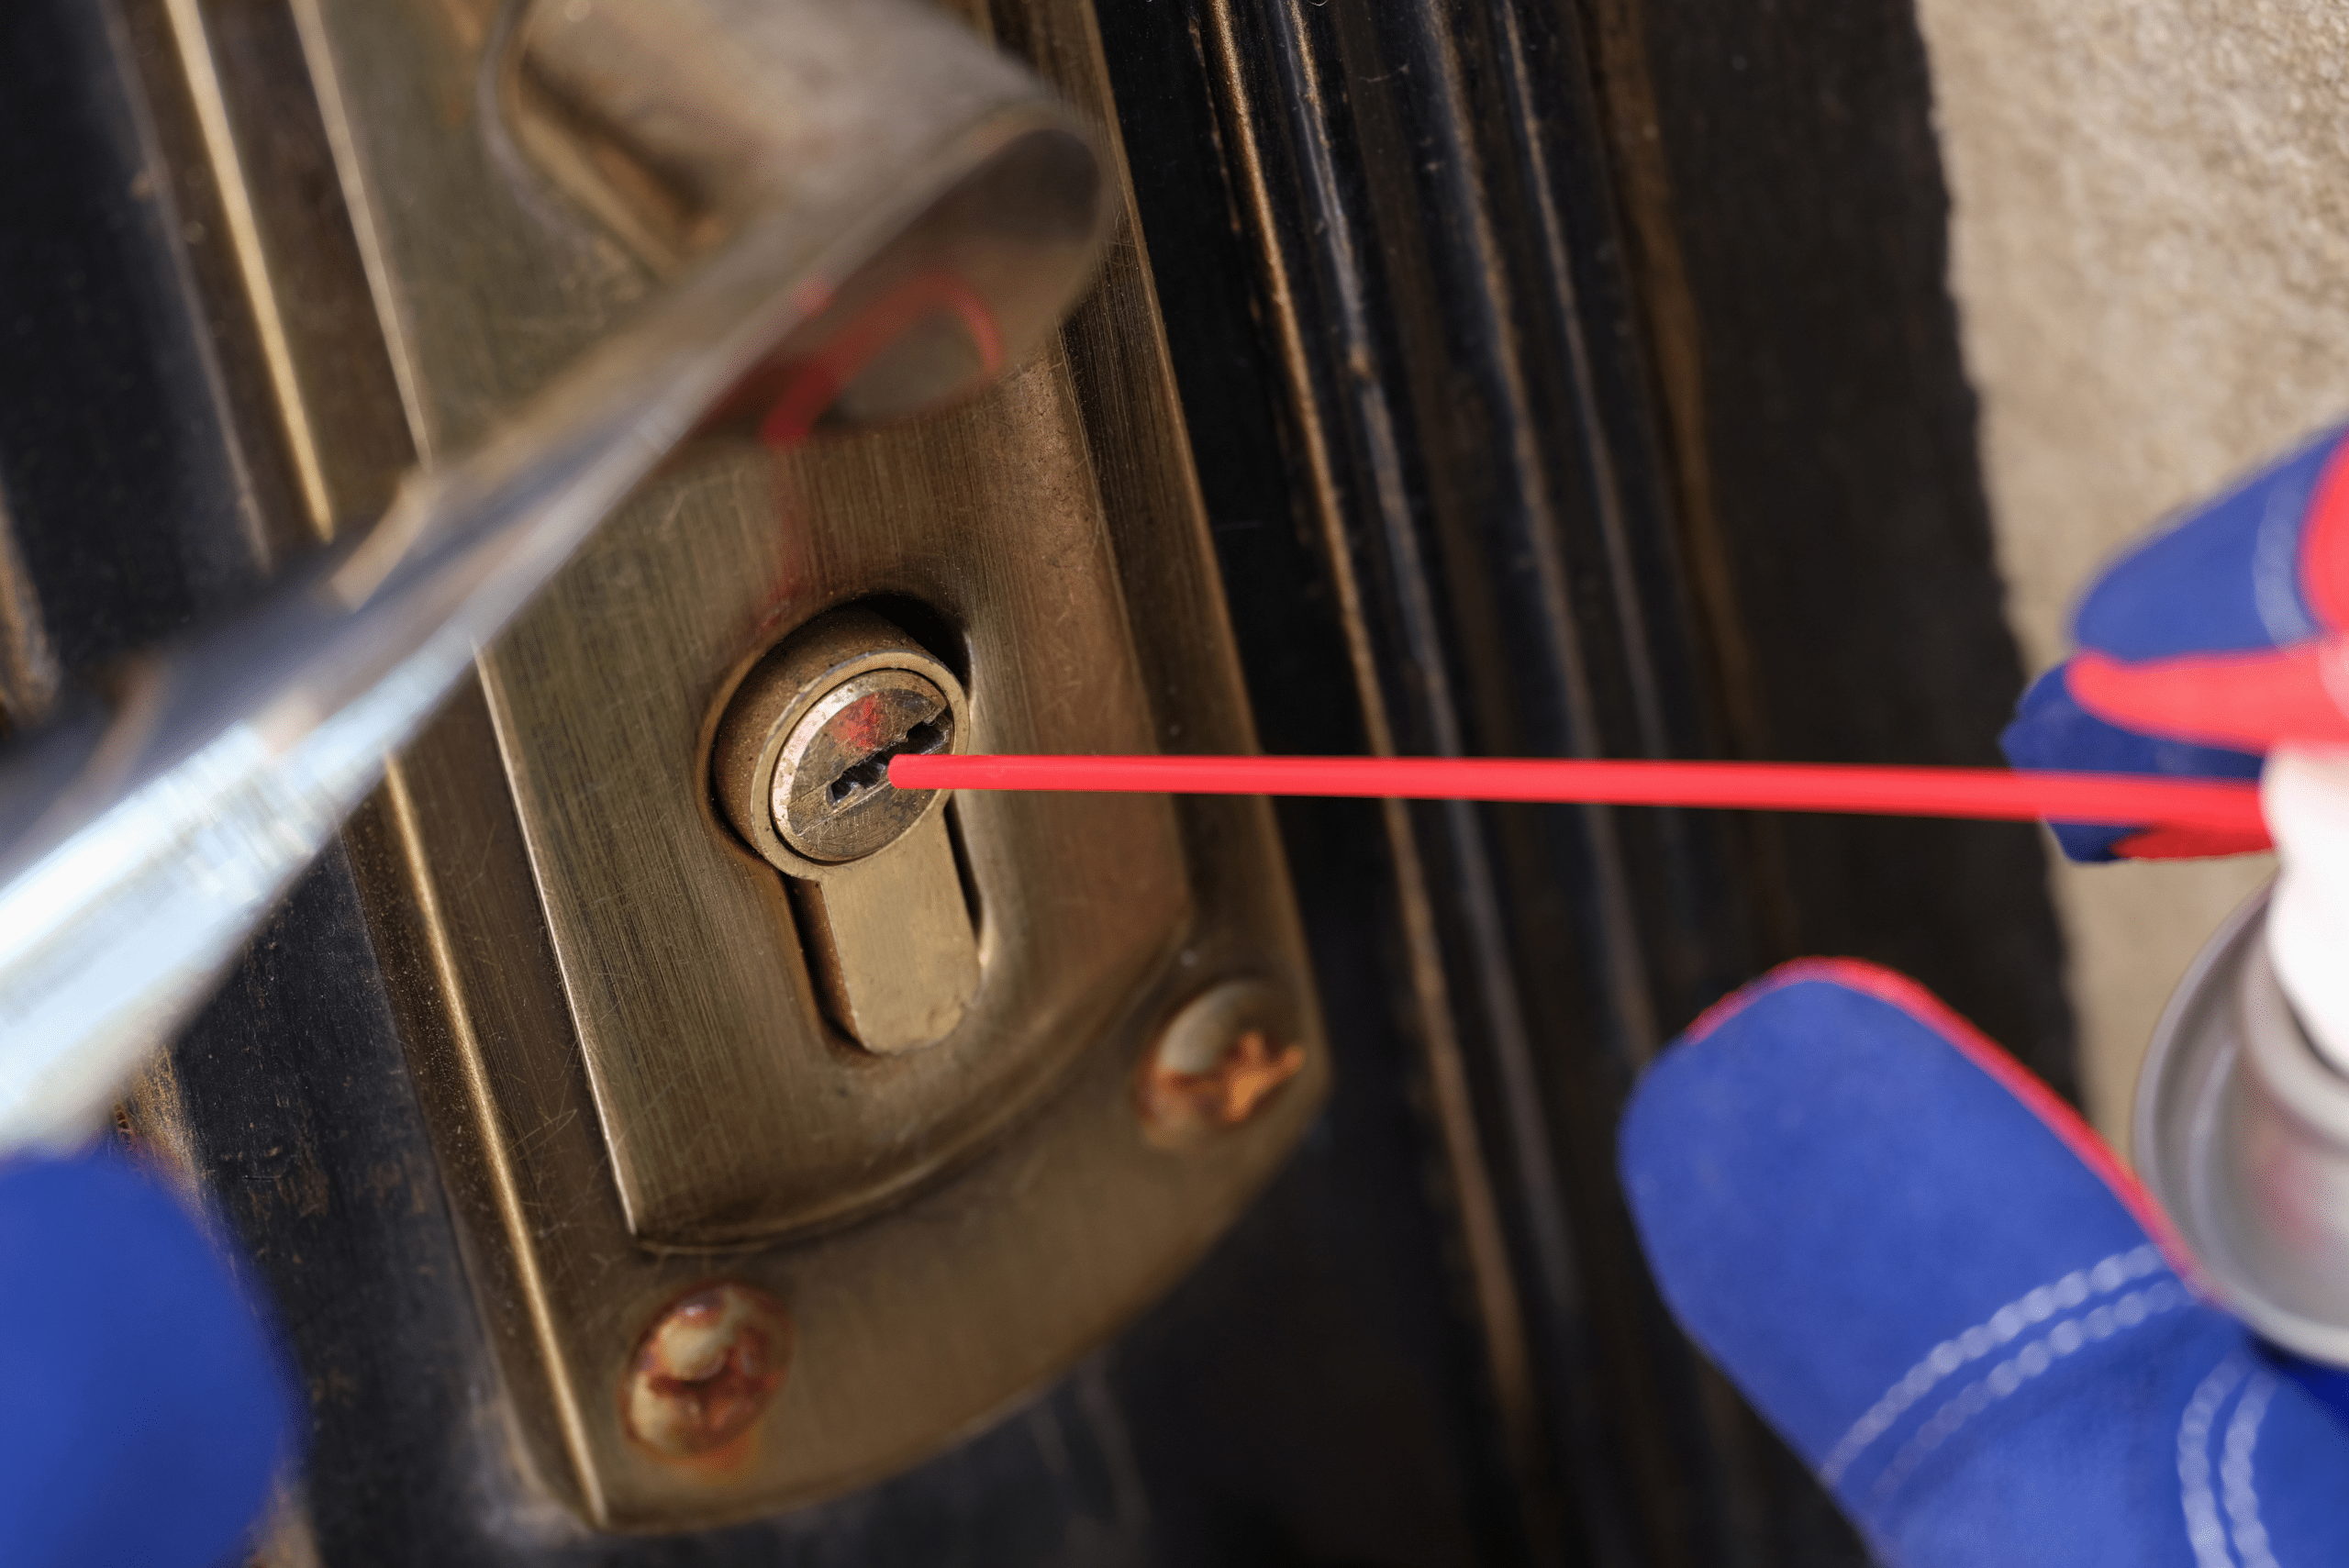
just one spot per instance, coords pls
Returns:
(145, 1408)
(1927, 1274)
(2203, 647)
(1923, 1269)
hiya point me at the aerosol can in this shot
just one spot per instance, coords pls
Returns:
(2243, 1108)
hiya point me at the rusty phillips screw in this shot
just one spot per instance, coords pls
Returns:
(704, 1371)
(1218, 1062)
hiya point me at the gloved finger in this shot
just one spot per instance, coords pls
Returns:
(2202, 647)
(2052, 731)
(1937, 1284)
(2225, 629)
(147, 1411)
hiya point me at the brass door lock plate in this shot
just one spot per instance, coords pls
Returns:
(794, 1126)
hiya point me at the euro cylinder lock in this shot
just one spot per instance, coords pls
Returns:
(801, 771)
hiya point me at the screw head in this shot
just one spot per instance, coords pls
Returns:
(1218, 1064)
(831, 798)
(704, 1371)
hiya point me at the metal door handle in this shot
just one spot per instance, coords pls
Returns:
(861, 210)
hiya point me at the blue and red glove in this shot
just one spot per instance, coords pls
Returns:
(2202, 647)
(1937, 1284)
(1924, 1270)
(144, 1407)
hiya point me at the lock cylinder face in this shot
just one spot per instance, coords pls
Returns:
(801, 764)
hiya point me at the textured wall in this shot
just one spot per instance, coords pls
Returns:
(2150, 256)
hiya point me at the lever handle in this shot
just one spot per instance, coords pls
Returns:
(862, 212)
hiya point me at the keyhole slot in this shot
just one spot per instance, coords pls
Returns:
(921, 740)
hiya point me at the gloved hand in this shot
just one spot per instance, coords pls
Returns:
(144, 1409)
(1923, 1269)
(2204, 647)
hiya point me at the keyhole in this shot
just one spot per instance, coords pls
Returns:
(922, 739)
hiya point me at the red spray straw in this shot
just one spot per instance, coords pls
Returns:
(2210, 806)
